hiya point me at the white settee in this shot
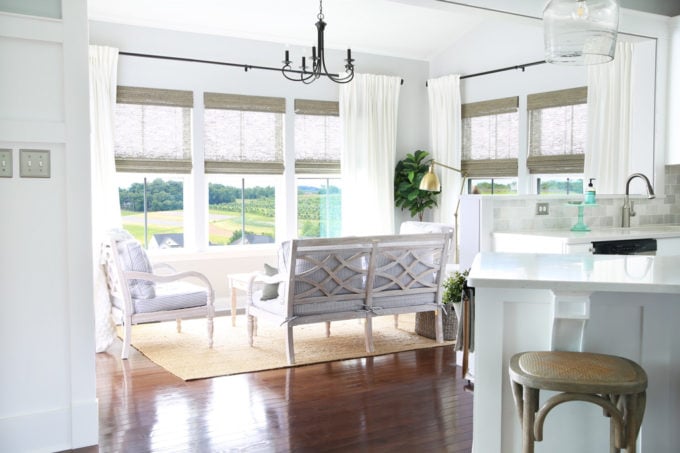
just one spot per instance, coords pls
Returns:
(332, 279)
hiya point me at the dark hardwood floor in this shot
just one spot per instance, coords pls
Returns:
(410, 401)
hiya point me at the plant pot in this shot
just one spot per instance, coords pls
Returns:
(425, 323)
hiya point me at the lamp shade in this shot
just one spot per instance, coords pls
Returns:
(430, 182)
(580, 32)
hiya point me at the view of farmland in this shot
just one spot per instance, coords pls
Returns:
(318, 212)
(508, 186)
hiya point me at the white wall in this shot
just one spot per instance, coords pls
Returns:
(47, 385)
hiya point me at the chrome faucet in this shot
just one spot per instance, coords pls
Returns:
(627, 210)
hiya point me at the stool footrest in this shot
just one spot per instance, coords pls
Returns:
(604, 402)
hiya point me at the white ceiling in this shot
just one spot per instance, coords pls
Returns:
(384, 27)
(415, 29)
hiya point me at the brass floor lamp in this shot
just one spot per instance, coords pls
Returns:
(430, 182)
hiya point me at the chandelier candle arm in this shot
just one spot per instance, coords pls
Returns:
(318, 66)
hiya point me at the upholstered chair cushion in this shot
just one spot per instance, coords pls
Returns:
(172, 296)
(270, 290)
(133, 258)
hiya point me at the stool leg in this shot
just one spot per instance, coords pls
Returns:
(635, 405)
(528, 415)
(517, 396)
(615, 434)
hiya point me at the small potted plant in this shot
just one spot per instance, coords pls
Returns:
(453, 289)
(452, 298)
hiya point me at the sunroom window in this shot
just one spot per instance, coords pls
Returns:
(243, 146)
(317, 168)
(490, 145)
(152, 145)
(558, 123)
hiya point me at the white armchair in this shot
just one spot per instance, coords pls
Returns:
(138, 294)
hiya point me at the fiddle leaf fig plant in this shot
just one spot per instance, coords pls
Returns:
(407, 175)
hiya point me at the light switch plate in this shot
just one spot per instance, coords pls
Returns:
(542, 208)
(5, 163)
(34, 163)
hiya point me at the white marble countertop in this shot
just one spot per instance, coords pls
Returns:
(602, 234)
(617, 273)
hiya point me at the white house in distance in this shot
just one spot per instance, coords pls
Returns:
(47, 384)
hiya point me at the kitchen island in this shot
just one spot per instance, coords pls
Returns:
(622, 305)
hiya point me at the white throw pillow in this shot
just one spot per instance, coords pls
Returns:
(134, 258)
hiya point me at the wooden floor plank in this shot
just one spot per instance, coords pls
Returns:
(409, 401)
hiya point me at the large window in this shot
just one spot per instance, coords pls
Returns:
(557, 132)
(161, 224)
(490, 138)
(559, 184)
(492, 186)
(152, 145)
(319, 207)
(237, 204)
(317, 166)
(243, 144)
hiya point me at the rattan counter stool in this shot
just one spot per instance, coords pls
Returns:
(616, 384)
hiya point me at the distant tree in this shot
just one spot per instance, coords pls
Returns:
(236, 237)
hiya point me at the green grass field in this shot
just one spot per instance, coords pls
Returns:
(220, 230)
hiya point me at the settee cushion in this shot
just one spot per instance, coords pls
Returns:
(133, 258)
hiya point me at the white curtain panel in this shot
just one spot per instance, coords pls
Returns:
(368, 111)
(105, 204)
(609, 121)
(445, 136)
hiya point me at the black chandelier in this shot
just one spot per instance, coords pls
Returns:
(310, 74)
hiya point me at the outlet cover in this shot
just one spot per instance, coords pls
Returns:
(5, 163)
(34, 163)
(542, 208)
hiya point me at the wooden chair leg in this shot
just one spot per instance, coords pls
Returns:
(368, 334)
(616, 439)
(328, 329)
(211, 330)
(633, 413)
(251, 329)
(290, 352)
(127, 334)
(530, 397)
(438, 329)
(396, 321)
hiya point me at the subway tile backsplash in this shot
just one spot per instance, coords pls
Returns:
(520, 213)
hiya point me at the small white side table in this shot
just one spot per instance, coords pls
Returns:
(240, 282)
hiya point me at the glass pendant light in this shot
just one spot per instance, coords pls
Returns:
(580, 32)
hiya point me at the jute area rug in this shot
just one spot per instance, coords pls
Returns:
(187, 355)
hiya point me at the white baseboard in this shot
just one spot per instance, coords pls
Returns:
(49, 431)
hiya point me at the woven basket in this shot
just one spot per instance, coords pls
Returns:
(425, 323)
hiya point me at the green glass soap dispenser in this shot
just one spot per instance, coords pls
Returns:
(590, 192)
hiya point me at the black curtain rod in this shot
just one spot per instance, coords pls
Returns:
(509, 68)
(246, 67)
